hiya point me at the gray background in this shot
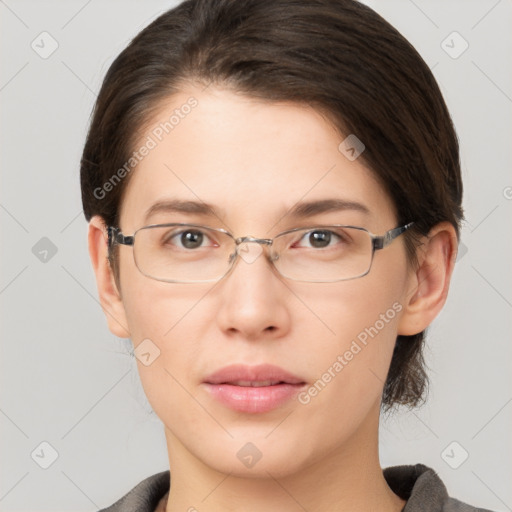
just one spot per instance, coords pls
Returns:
(66, 381)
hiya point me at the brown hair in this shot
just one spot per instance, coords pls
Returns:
(338, 56)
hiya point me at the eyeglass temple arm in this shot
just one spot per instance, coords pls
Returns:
(379, 242)
(115, 236)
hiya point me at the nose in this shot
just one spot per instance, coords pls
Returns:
(253, 299)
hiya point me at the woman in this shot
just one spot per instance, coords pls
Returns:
(273, 193)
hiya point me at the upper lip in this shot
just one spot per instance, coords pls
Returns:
(260, 373)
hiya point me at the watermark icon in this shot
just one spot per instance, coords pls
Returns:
(454, 455)
(151, 142)
(454, 45)
(44, 45)
(249, 455)
(351, 147)
(44, 250)
(507, 192)
(342, 360)
(249, 252)
(461, 251)
(146, 352)
(44, 455)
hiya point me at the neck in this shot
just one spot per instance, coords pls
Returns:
(347, 478)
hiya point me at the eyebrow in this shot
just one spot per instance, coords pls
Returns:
(299, 210)
(310, 208)
(181, 206)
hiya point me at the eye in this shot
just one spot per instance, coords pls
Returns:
(321, 238)
(187, 238)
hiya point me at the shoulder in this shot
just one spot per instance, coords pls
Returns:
(424, 490)
(144, 497)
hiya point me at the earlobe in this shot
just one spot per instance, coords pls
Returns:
(109, 296)
(430, 281)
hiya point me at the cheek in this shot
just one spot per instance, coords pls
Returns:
(347, 310)
(168, 322)
(358, 322)
(155, 309)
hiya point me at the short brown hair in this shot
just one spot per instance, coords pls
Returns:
(338, 56)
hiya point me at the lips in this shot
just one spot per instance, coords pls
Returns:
(253, 389)
(240, 375)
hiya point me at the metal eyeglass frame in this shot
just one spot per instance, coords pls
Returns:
(378, 242)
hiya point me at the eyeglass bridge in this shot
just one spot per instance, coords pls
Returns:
(251, 239)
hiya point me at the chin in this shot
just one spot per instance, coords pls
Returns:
(256, 455)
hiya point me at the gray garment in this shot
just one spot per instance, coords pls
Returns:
(418, 484)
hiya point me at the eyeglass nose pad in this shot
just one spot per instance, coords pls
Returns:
(249, 251)
(244, 254)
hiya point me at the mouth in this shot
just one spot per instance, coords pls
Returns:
(255, 384)
(253, 389)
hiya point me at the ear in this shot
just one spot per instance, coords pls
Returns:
(110, 298)
(430, 281)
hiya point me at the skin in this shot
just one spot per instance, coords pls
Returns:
(255, 160)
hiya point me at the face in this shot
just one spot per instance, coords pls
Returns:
(253, 161)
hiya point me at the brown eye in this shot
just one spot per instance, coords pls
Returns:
(320, 238)
(186, 239)
(191, 239)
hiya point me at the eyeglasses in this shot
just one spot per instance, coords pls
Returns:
(191, 253)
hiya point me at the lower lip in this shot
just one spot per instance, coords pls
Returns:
(253, 399)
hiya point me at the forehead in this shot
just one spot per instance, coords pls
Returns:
(253, 161)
